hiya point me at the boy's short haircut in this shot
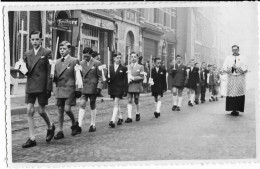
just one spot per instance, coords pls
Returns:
(116, 54)
(155, 59)
(192, 60)
(65, 43)
(178, 56)
(95, 54)
(235, 46)
(87, 50)
(133, 53)
(35, 32)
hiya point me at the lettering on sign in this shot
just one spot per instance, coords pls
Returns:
(67, 22)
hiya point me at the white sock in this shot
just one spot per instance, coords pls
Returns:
(81, 116)
(179, 101)
(174, 100)
(137, 108)
(119, 113)
(115, 110)
(192, 98)
(158, 109)
(31, 128)
(155, 103)
(93, 117)
(129, 110)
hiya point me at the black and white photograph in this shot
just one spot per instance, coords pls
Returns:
(125, 83)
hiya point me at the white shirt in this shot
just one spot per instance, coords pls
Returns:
(36, 50)
(115, 67)
(88, 62)
(191, 68)
(66, 57)
(157, 69)
(134, 64)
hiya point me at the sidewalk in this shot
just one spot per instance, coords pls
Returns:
(18, 105)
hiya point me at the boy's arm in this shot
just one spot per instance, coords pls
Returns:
(49, 79)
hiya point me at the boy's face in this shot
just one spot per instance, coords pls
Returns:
(64, 50)
(178, 60)
(117, 59)
(158, 63)
(87, 56)
(134, 58)
(204, 65)
(192, 63)
(36, 41)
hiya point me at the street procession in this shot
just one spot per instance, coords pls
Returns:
(122, 80)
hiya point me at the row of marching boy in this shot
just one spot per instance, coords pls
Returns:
(84, 79)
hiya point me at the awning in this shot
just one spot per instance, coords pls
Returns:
(97, 22)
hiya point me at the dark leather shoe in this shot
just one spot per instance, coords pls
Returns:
(92, 128)
(75, 129)
(190, 104)
(29, 143)
(178, 108)
(159, 114)
(212, 98)
(234, 113)
(202, 101)
(120, 121)
(196, 102)
(111, 124)
(128, 120)
(60, 135)
(137, 117)
(174, 108)
(216, 99)
(50, 133)
(156, 114)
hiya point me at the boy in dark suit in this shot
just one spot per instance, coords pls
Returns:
(135, 87)
(66, 93)
(117, 86)
(179, 76)
(198, 89)
(92, 86)
(158, 85)
(203, 79)
(39, 85)
(193, 81)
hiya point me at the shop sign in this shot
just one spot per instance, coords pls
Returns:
(98, 22)
(67, 22)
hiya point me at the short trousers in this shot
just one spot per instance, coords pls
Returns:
(156, 94)
(41, 97)
(66, 101)
(131, 94)
(118, 96)
(91, 97)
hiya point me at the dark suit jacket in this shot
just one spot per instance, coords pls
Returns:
(118, 80)
(66, 77)
(204, 77)
(193, 78)
(178, 75)
(92, 76)
(38, 75)
(159, 80)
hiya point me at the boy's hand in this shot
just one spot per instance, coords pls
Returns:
(48, 94)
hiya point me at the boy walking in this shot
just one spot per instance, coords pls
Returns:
(117, 87)
(158, 85)
(38, 86)
(135, 87)
(66, 93)
(179, 75)
(92, 86)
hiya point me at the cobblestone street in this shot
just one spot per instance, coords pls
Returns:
(205, 131)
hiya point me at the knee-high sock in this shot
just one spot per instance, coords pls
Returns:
(81, 116)
(189, 96)
(137, 108)
(129, 110)
(31, 128)
(179, 101)
(115, 110)
(119, 113)
(155, 103)
(192, 97)
(158, 108)
(93, 117)
(46, 118)
(174, 100)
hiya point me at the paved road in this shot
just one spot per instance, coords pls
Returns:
(204, 131)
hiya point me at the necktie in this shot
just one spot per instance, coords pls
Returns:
(63, 58)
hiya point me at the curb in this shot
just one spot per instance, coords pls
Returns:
(22, 109)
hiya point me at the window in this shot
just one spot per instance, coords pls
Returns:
(156, 15)
(165, 19)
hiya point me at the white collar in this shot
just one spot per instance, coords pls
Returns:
(36, 50)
